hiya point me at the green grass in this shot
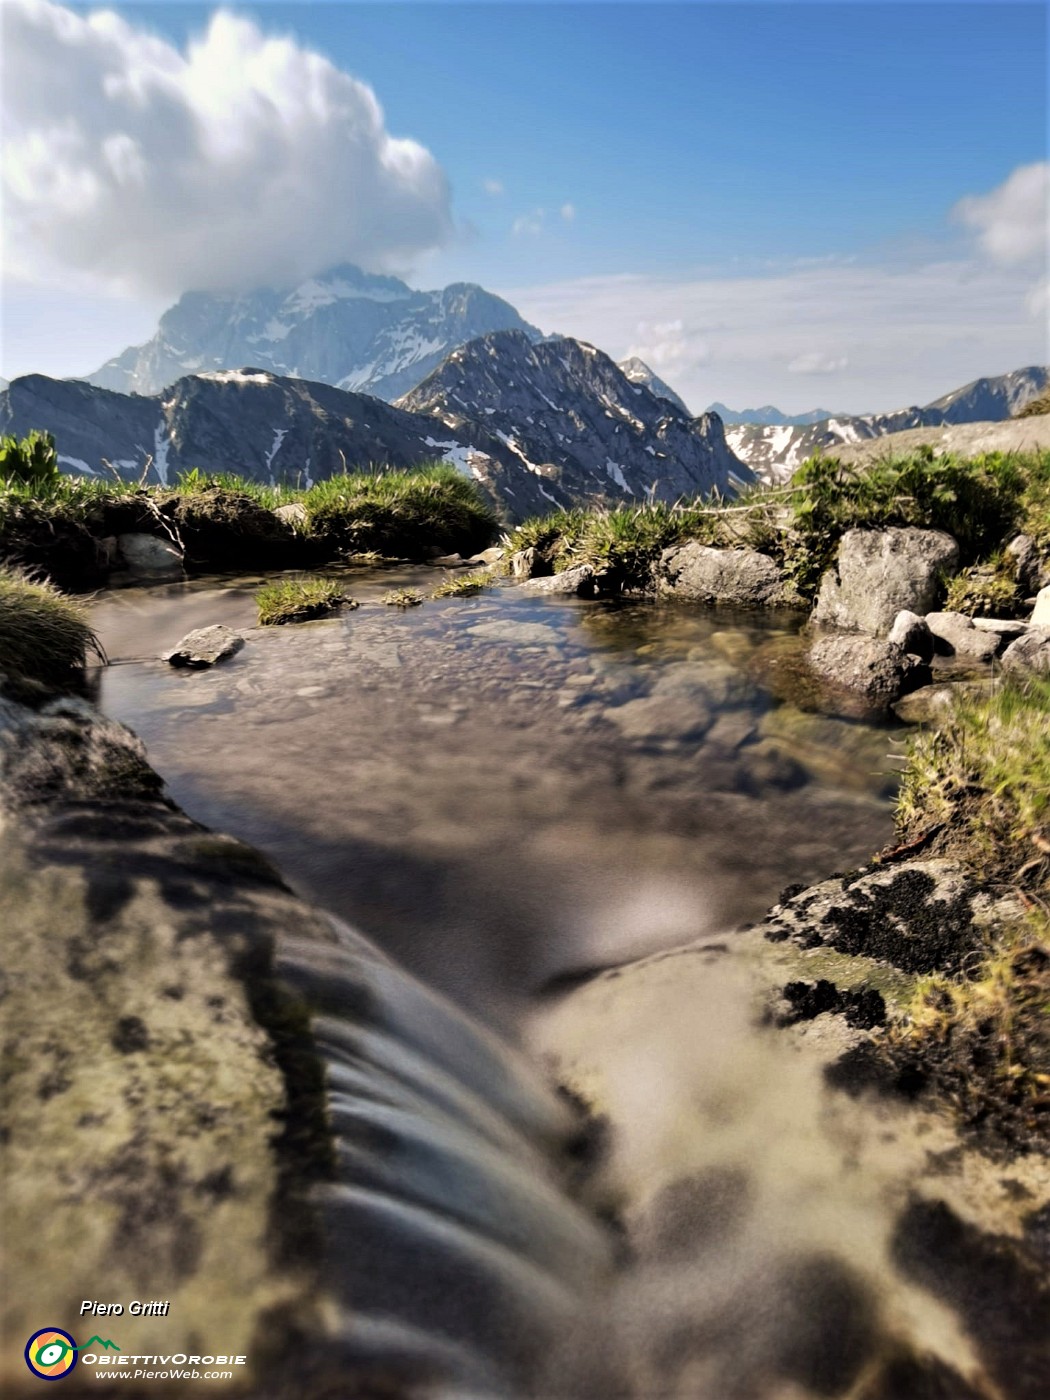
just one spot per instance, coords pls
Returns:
(980, 788)
(299, 600)
(985, 590)
(44, 637)
(463, 585)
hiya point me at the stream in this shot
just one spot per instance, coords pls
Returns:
(564, 817)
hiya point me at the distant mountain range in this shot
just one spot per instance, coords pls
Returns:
(535, 424)
(774, 451)
(373, 335)
(768, 416)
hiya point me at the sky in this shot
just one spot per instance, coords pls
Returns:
(840, 205)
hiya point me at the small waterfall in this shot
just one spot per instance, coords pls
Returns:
(453, 1249)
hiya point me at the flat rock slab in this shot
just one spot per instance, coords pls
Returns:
(522, 634)
(570, 583)
(204, 647)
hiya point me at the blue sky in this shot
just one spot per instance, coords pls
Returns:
(603, 159)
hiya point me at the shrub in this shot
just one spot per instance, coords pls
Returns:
(299, 600)
(984, 590)
(44, 637)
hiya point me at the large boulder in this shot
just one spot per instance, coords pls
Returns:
(1041, 613)
(741, 578)
(879, 573)
(1029, 655)
(865, 673)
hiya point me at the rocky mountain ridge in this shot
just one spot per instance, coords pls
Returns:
(526, 451)
(576, 422)
(346, 327)
(638, 372)
(773, 452)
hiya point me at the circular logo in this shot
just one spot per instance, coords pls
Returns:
(51, 1353)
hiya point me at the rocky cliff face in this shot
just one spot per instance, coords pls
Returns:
(348, 328)
(773, 451)
(576, 423)
(638, 372)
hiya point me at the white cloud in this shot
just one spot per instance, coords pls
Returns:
(568, 212)
(905, 334)
(816, 363)
(493, 187)
(529, 225)
(246, 159)
(1012, 220)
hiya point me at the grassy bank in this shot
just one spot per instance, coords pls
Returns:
(64, 526)
(978, 789)
(981, 501)
(45, 639)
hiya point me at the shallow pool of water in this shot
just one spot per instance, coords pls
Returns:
(503, 791)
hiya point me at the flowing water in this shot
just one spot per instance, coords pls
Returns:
(561, 815)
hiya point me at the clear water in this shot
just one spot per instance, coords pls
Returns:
(503, 792)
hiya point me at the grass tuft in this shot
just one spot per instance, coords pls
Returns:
(299, 600)
(463, 585)
(403, 598)
(44, 637)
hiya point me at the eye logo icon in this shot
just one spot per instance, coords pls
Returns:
(51, 1353)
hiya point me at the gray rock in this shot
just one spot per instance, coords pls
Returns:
(872, 669)
(741, 578)
(204, 647)
(880, 573)
(576, 582)
(1041, 613)
(1030, 654)
(488, 556)
(934, 702)
(294, 515)
(955, 635)
(523, 634)
(523, 563)
(911, 634)
(1029, 568)
(148, 556)
(1002, 626)
(449, 561)
(662, 717)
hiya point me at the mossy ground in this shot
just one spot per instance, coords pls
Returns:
(978, 788)
(463, 585)
(59, 526)
(981, 501)
(44, 637)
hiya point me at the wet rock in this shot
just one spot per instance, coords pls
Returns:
(880, 573)
(766, 766)
(740, 578)
(875, 671)
(1030, 654)
(205, 647)
(955, 635)
(912, 635)
(934, 702)
(148, 556)
(524, 634)
(526, 563)
(449, 561)
(577, 582)
(488, 556)
(920, 915)
(1041, 612)
(678, 718)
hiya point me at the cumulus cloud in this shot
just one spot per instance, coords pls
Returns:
(529, 225)
(568, 212)
(492, 186)
(671, 347)
(244, 160)
(1011, 222)
(816, 363)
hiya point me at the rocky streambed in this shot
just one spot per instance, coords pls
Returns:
(568, 820)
